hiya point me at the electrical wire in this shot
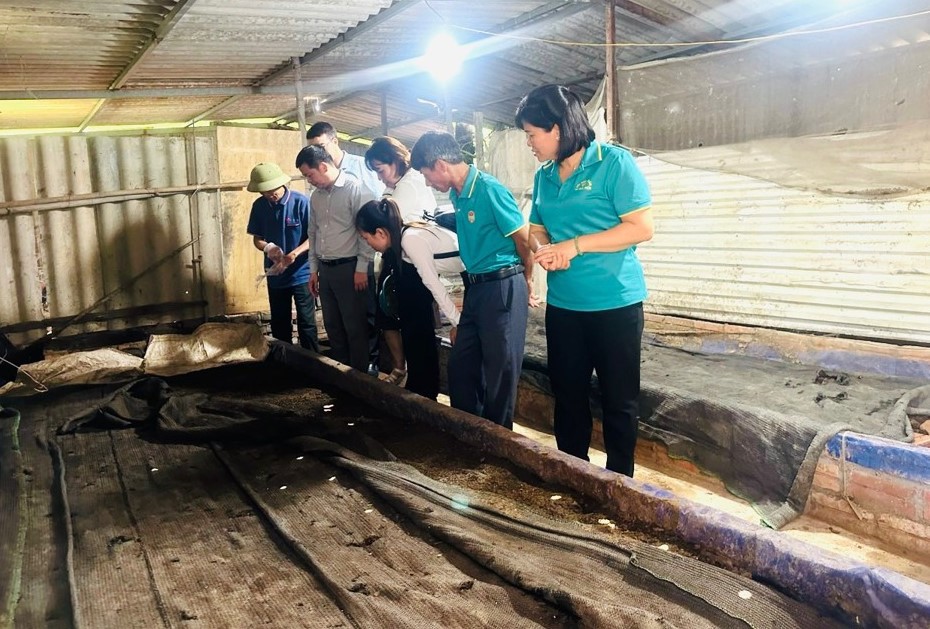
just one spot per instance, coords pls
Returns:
(713, 42)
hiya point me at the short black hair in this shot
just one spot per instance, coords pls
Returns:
(551, 105)
(433, 146)
(313, 156)
(388, 150)
(321, 128)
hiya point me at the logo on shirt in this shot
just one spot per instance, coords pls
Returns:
(584, 184)
(290, 222)
(471, 217)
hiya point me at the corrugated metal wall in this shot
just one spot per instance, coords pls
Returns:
(736, 249)
(56, 262)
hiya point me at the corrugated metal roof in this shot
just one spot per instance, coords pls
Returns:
(353, 49)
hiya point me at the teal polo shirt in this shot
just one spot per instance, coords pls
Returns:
(606, 186)
(486, 215)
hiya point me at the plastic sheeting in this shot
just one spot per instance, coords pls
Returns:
(842, 111)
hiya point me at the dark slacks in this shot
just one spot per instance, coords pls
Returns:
(484, 368)
(345, 314)
(371, 309)
(415, 305)
(608, 342)
(279, 300)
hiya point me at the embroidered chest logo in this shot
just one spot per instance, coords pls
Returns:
(584, 184)
(471, 217)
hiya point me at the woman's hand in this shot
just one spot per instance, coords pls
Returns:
(556, 257)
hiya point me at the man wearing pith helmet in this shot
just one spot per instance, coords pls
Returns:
(278, 225)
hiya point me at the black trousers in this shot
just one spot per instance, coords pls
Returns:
(374, 333)
(279, 300)
(486, 360)
(415, 306)
(345, 314)
(608, 342)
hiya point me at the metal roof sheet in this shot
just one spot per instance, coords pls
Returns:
(158, 61)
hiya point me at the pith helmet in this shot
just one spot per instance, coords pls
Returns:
(267, 176)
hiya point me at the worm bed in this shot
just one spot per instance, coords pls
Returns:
(269, 494)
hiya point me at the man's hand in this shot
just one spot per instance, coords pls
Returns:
(287, 259)
(452, 334)
(275, 269)
(274, 252)
(534, 300)
(314, 284)
(361, 281)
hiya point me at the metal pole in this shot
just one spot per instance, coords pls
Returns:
(479, 140)
(610, 72)
(450, 126)
(301, 113)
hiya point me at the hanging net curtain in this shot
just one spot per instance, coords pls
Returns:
(840, 111)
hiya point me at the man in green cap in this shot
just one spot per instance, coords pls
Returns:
(278, 225)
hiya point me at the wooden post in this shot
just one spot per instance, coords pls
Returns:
(610, 72)
(301, 114)
(447, 105)
(384, 113)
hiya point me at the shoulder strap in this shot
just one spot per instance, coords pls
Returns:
(436, 256)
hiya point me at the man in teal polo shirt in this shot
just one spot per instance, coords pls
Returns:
(487, 345)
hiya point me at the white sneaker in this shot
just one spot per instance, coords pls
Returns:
(398, 377)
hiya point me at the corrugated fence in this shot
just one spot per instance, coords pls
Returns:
(123, 228)
(737, 249)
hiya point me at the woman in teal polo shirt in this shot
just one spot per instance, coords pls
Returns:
(591, 207)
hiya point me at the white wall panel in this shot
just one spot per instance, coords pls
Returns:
(736, 249)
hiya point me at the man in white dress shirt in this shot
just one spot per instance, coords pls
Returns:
(324, 134)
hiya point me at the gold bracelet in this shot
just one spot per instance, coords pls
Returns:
(578, 250)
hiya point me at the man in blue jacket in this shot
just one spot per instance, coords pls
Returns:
(279, 225)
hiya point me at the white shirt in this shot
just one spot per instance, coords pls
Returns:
(412, 196)
(419, 244)
(355, 165)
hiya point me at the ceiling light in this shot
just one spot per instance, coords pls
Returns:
(443, 57)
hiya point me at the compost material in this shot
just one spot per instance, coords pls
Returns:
(230, 499)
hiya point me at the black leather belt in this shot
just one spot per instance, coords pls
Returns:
(337, 261)
(490, 276)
